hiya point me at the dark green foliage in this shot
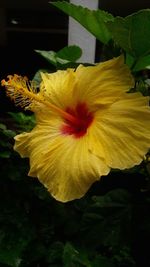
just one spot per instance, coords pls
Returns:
(68, 54)
(131, 34)
(64, 58)
(94, 21)
(109, 227)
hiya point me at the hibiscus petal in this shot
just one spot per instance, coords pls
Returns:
(104, 83)
(124, 132)
(55, 87)
(63, 164)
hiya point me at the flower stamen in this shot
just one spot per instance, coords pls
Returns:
(24, 93)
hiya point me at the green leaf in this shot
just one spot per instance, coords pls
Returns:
(108, 217)
(12, 246)
(9, 133)
(50, 56)
(93, 20)
(142, 87)
(37, 77)
(139, 64)
(115, 198)
(142, 63)
(55, 252)
(75, 258)
(64, 56)
(129, 60)
(69, 255)
(2, 126)
(23, 121)
(5, 154)
(132, 33)
(102, 261)
(70, 53)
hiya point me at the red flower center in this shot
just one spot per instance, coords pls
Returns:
(83, 119)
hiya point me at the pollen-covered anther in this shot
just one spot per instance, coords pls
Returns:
(24, 93)
(3, 82)
(20, 90)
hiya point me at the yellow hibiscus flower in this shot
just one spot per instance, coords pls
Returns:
(86, 124)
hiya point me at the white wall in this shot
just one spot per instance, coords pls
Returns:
(78, 35)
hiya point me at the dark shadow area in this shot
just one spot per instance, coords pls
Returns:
(24, 29)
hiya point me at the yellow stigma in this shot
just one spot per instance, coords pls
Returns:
(24, 93)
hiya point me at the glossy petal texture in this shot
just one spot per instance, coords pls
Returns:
(115, 132)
